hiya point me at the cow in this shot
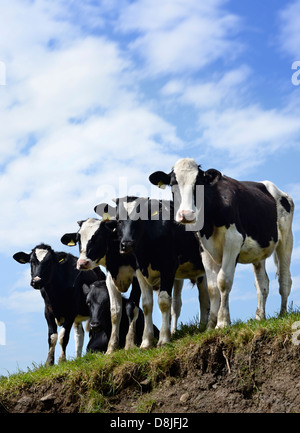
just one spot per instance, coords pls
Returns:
(60, 283)
(244, 222)
(164, 252)
(98, 246)
(97, 299)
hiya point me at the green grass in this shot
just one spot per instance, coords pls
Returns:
(96, 377)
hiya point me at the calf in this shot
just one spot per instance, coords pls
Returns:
(164, 252)
(100, 322)
(244, 222)
(98, 245)
(60, 283)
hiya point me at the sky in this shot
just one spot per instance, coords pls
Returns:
(97, 95)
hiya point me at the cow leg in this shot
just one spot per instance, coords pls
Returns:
(176, 304)
(211, 271)
(115, 298)
(63, 339)
(164, 303)
(79, 338)
(225, 279)
(282, 258)
(203, 301)
(147, 304)
(262, 288)
(132, 314)
(52, 336)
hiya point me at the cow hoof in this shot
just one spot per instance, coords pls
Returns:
(130, 346)
(222, 325)
(110, 350)
(146, 345)
(162, 343)
(61, 359)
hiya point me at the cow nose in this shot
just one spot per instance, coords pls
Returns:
(36, 282)
(186, 217)
(83, 264)
(94, 326)
(126, 247)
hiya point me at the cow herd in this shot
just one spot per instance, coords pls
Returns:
(212, 223)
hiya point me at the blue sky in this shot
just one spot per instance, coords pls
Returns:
(98, 94)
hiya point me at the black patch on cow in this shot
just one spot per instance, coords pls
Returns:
(248, 205)
(285, 203)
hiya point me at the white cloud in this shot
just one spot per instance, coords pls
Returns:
(290, 30)
(72, 120)
(179, 36)
(23, 302)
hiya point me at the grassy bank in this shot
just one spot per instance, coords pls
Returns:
(89, 382)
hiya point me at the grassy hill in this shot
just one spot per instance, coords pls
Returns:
(250, 367)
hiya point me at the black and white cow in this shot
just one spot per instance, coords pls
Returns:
(100, 321)
(98, 245)
(244, 222)
(165, 252)
(56, 276)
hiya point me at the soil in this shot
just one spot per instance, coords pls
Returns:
(262, 377)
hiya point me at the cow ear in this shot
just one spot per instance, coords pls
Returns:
(160, 179)
(212, 176)
(105, 211)
(61, 257)
(22, 257)
(69, 239)
(85, 289)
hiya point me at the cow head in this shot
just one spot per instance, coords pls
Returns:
(43, 261)
(187, 181)
(92, 239)
(97, 300)
(130, 211)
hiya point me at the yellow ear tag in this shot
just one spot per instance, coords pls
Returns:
(22, 261)
(61, 260)
(161, 185)
(105, 216)
(71, 244)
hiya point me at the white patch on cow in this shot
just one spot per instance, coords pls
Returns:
(41, 254)
(60, 321)
(124, 278)
(79, 338)
(153, 278)
(251, 251)
(87, 230)
(115, 298)
(61, 335)
(186, 171)
(164, 303)
(187, 271)
(176, 303)
(147, 304)
(78, 319)
(129, 206)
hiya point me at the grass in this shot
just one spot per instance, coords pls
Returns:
(96, 377)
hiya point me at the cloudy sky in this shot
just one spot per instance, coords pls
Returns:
(96, 95)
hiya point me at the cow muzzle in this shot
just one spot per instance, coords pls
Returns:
(186, 217)
(84, 264)
(95, 326)
(36, 283)
(126, 247)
